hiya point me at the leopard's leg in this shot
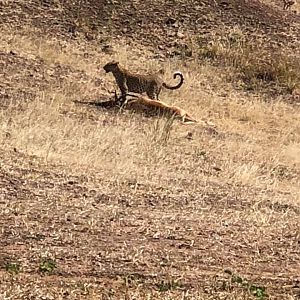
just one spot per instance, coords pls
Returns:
(158, 90)
(152, 93)
(124, 92)
(116, 96)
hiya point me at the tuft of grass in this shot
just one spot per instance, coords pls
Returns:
(258, 291)
(13, 268)
(47, 265)
(277, 69)
(162, 130)
(168, 285)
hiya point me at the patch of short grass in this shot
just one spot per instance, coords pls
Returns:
(13, 268)
(47, 266)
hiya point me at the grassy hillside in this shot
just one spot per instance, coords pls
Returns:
(103, 203)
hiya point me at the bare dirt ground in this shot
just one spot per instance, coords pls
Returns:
(103, 203)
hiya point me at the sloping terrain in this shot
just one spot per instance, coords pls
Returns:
(102, 203)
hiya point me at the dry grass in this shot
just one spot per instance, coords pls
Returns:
(131, 206)
(252, 62)
(53, 127)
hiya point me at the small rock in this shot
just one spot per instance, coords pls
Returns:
(107, 49)
(189, 136)
(170, 21)
(180, 35)
(217, 168)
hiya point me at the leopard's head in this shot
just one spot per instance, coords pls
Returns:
(111, 66)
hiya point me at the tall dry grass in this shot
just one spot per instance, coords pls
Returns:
(251, 141)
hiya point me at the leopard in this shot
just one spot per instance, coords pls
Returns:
(151, 84)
